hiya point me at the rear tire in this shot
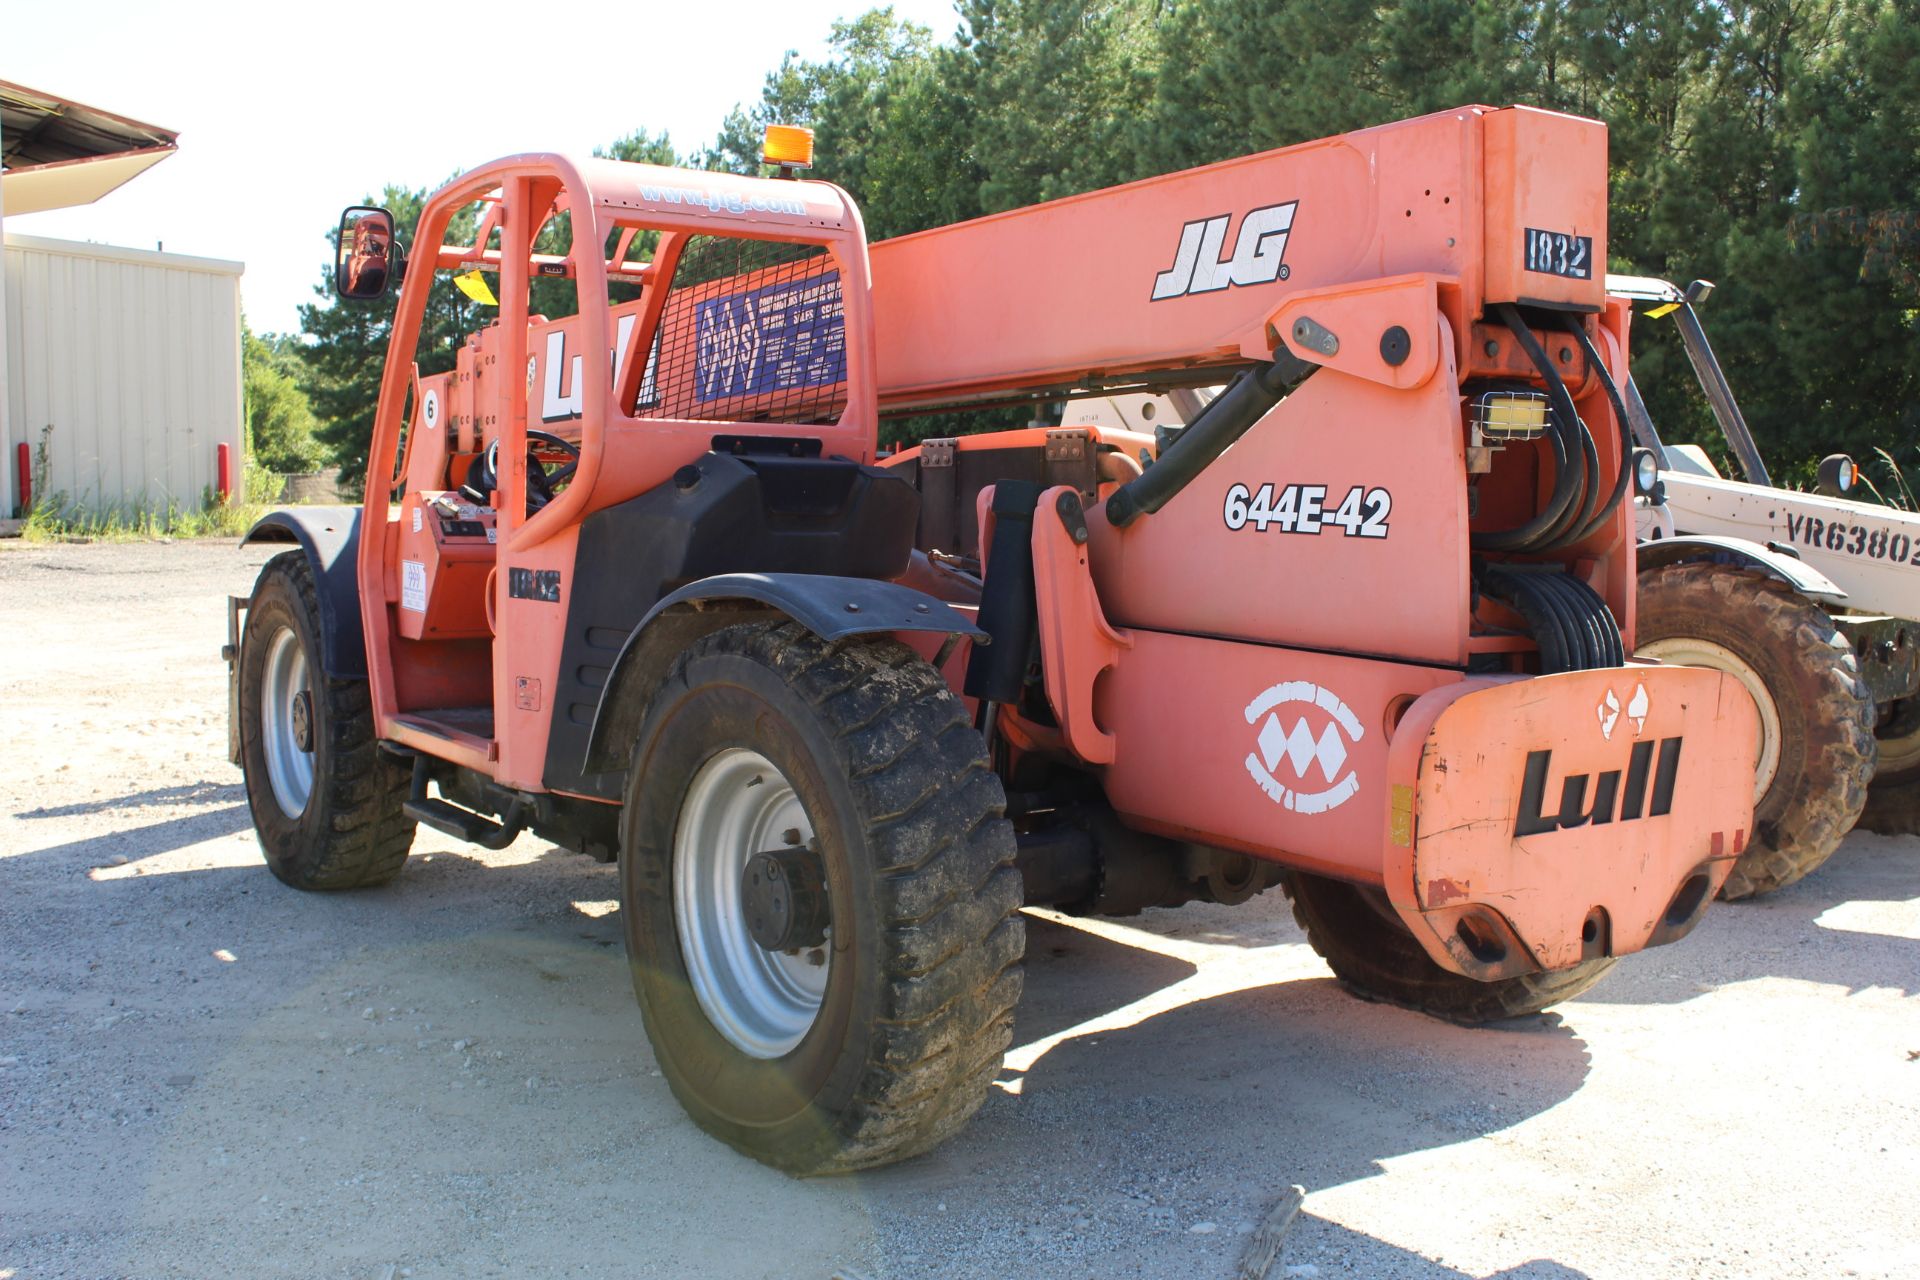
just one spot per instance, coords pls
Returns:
(869, 761)
(1372, 953)
(1893, 801)
(1816, 714)
(326, 800)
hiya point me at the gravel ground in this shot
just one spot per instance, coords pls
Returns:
(204, 1073)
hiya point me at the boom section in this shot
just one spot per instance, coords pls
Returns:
(1186, 272)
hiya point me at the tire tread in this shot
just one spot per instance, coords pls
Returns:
(366, 837)
(1800, 830)
(953, 938)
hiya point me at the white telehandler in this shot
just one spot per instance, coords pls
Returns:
(1810, 599)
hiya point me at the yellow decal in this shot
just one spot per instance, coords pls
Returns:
(474, 285)
(1657, 312)
(1400, 819)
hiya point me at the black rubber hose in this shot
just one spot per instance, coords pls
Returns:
(1511, 588)
(996, 672)
(1568, 620)
(1578, 612)
(1533, 535)
(1579, 438)
(1226, 418)
(1573, 630)
(1581, 511)
(1625, 479)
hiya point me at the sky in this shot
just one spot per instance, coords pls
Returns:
(288, 111)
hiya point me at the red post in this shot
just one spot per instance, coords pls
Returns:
(223, 471)
(23, 469)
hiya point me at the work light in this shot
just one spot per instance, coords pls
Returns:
(1835, 475)
(1646, 471)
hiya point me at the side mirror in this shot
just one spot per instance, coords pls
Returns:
(366, 256)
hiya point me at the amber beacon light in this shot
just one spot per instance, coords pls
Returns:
(789, 146)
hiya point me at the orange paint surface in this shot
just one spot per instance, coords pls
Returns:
(1273, 662)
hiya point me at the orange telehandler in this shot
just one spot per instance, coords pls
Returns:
(635, 579)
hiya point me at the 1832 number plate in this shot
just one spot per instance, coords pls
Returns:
(1556, 254)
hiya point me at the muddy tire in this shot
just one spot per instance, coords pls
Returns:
(1355, 931)
(1893, 801)
(1816, 716)
(870, 1030)
(325, 798)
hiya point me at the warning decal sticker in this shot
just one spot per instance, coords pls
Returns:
(413, 584)
(772, 339)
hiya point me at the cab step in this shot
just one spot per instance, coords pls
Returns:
(463, 824)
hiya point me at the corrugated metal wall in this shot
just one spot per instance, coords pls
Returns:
(133, 359)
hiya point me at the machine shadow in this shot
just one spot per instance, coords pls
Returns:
(1289, 1081)
(203, 792)
(1314, 1237)
(1286, 1081)
(152, 839)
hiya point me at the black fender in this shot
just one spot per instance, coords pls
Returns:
(1740, 553)
(832, 608)
(331, 538)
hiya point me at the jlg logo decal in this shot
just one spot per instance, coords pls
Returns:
(1258, 255)
(1287, 715)
(1609, 801)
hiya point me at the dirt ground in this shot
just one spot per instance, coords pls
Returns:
(203, 1073)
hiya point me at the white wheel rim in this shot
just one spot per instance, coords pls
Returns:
(289, 766)
(1691, 651)
(1899, 755)
(762, 1001)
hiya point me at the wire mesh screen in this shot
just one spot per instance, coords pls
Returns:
(752, 331)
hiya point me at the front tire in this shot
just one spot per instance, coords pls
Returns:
(326, 800)
(1355, 931)
(1816, 716)
(876, 1036)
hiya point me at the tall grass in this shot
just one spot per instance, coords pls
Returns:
(57, 517)
(1900, 493)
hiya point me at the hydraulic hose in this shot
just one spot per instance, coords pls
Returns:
(1568, 620)
(1625, 478)
(1229, 416)
(1579, 440)
(1537, 533)
(1589, 485)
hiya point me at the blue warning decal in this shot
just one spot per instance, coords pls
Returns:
(777, 338)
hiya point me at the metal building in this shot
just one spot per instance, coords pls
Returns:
(126, 363)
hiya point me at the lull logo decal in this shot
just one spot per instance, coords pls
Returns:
(1259, 255)
(1287, 715)
(1610, 802)
(564, 388)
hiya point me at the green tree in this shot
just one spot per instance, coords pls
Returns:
(889, 124)
(280, 421)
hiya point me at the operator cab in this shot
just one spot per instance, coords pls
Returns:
(713, 320)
